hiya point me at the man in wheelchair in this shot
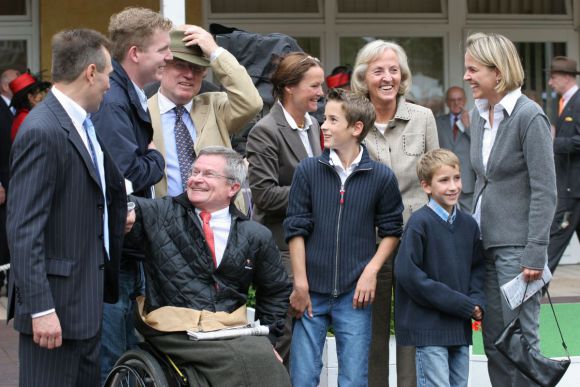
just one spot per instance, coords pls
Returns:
(202, 255)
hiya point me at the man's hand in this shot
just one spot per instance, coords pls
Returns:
(130, 221)
(364, 294)
(531, 274)
(46, 331)
(477, 313)
(199, 36)
(300, 302)
(2, 195)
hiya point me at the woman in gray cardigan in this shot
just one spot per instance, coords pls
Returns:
(402, 133)
(515, 190)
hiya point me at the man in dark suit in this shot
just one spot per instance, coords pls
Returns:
(453, 133)
(563, 74)
(66, 220)
(6, 117)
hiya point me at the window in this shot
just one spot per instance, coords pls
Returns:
(389, 6)
(13, 55)
(519, 7)
(13, 8)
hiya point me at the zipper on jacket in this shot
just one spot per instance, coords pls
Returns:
(341, 202)
(341, 205)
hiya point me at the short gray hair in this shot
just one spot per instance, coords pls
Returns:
(368, 54)
(235, 166)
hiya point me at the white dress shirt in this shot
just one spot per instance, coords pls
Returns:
(337, 164)
(220, 224)
(302, 132)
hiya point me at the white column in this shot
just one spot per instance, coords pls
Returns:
(174, 10)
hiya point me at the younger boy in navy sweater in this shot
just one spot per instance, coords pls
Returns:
(338, 203)
(439, 273)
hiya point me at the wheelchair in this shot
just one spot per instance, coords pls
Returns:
(148, 367)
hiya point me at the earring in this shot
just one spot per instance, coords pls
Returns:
(497, 81)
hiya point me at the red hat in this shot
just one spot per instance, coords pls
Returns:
(22, 82)
(338, 80)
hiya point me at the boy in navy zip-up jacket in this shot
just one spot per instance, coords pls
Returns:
(338, 203)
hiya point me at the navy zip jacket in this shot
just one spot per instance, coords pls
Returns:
(339, 224)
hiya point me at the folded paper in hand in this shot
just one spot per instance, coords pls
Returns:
(513, 291)
(253, 329)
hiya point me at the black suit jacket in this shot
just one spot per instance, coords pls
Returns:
(567, 149)
(6, 118)
(55, 216)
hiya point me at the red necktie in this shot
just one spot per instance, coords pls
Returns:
(205, 217)
(561, 106)
(455, 127)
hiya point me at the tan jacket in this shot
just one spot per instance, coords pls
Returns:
(409, 135)
(216, 115)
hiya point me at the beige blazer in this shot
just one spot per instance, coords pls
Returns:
(216, 115)
(409, 135)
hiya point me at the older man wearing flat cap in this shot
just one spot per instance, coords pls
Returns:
(563, 72)
(185, 121)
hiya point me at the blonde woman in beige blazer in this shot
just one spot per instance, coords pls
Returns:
(403, 132)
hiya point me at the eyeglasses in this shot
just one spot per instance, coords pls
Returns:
(182, 65)
(209, 175)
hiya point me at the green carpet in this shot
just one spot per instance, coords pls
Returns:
(568, 317)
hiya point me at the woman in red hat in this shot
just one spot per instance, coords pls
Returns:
(27, 92)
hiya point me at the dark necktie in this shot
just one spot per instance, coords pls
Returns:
(184, 144)
(208, 232)
(92, 139)
(455, 127)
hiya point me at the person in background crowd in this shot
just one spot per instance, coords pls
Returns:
(515, 190)
(453, 132)
(66, 219)
(401, 134)
(140, 39)
(208, 119)
(6, 118)
(563, 74)
(277, 143)
(27, 92)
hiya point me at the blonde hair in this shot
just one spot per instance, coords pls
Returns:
(431, 161)
(134, 26)
(497, 51)
(369, 53)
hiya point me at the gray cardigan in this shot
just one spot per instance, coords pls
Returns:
(519, 184)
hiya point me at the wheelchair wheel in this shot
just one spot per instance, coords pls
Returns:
(137, 368)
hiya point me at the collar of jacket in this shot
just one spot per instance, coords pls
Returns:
(365, 161)
(121, 77)
(403, 112)
(183, 201)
